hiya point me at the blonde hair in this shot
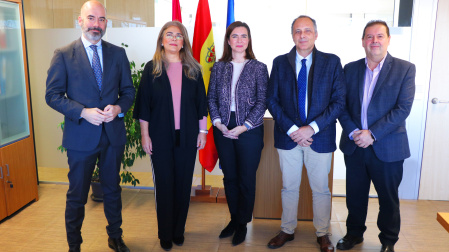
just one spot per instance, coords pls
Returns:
(191, 67)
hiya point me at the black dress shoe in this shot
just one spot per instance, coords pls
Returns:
(228, 230)
(74, 248)
(117, 244)
(166, 245)
(240, 235)
(348, 242)
(387, 248)
(178, 240)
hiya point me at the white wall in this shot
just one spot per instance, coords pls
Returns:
(270, 26)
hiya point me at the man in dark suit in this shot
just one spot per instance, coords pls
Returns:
(89, 82)
(306, 94)
(380, 93)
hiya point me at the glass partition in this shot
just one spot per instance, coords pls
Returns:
(13, 103)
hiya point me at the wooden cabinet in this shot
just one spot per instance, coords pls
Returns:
(18, 174)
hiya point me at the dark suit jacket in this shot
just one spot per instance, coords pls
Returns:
(326, 99)
(389, 107)
(154, 104)
(71, 86)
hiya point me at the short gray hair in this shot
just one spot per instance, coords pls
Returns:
(305, 16)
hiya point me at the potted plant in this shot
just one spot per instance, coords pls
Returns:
(133, 147)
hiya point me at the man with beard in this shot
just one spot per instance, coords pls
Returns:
(89, 82)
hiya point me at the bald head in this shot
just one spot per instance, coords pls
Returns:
(90, 4)
(93, 21)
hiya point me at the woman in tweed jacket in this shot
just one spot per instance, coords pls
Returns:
(236, 97)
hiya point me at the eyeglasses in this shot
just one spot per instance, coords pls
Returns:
(170, 35)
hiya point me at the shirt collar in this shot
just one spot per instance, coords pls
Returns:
(299, 57)
(87, 44)
(379, 66)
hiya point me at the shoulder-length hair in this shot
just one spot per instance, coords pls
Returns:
(190, 66)
(227, 50)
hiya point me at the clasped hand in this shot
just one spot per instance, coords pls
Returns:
(303, 136)
(233, 133)
(363, 138)
(97, 116)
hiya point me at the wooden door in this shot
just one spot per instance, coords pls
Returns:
(435, 172)
(19, 171)
(3, 212)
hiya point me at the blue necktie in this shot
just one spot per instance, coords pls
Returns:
(96, 66)
(302, 85)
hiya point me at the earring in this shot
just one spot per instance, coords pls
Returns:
(162, 45)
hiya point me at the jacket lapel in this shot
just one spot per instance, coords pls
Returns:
(383, 74)
(107, 63)
(291, 56)
(83, 62)
(361, 78)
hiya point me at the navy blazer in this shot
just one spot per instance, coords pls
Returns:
(389, 107)
(71, 86)
(326, 99)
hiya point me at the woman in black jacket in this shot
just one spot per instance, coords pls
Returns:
(172, 108)
(236, 97)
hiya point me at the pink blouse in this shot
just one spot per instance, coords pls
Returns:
(174, 73)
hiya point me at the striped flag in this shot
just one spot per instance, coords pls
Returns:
(230, 19)
(204, 52)
(176, 11)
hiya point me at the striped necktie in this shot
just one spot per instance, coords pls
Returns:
(96, 66)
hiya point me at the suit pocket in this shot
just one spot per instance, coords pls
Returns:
(251, 102)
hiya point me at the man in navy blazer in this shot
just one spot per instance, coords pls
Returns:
(89, 82)
(380, 93)
(306, 94)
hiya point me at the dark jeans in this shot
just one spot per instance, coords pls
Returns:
(362, 167)
(239, 160)
(173, 172)
(82, 164)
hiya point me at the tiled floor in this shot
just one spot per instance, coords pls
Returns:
(40, 226)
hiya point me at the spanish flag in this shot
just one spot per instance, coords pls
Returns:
(204, 52)
(176, 11)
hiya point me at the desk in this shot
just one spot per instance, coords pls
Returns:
(443, 219)
(268, 202)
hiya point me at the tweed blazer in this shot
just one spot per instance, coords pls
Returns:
(390, 105)
(250, 93)
(326, 99)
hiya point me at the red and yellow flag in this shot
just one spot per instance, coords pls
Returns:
(176, 11)
(204, 52)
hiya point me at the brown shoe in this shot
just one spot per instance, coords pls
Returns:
(280, 239)
(325, 243)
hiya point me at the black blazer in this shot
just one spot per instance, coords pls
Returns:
(71, 86)
(154, 104)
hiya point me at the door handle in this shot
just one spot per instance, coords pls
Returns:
(436, 101)
(7, 170)
(1, 172)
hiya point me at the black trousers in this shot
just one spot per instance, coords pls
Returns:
(82, 164)
(362, 167)
(173, 172)
(239, 160)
